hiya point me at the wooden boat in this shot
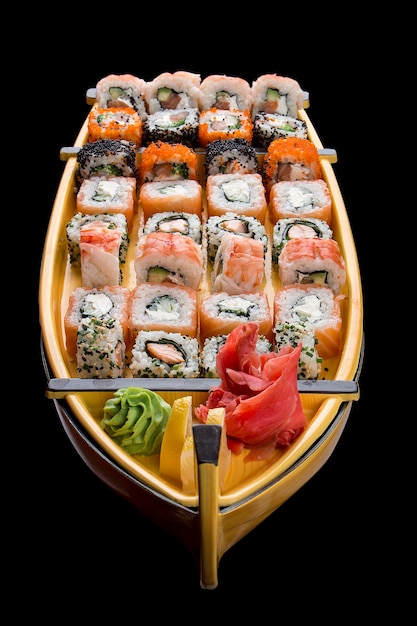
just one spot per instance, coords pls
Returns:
(209, 521)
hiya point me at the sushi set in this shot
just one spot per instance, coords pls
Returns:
(200, 301)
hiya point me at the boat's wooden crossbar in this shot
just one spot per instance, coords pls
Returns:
(60, 387)
(67, 152)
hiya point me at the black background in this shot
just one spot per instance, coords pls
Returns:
(82, 546)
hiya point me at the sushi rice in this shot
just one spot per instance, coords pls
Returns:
(161, 354)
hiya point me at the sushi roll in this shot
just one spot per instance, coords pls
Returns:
(114, 221)
(306, 199)
(173, 195)
(163, 306)
(179, 223)
(167, 257)
(225, 92)
(276, 94)
(315, 307)
(292, 334)
(312, 261)
(240, 225)
(218, 124)
(239, 265)
(101, 348)
(115, 123)
(290, 158)
(231, 156)
(106, 303)
(296, 228)
(177, 90)
(270, 126)
(172, 126)
(161, 160)
(122, 90)
(211, 347)
(220, 313)
(100, 246)
(102, 195)
(239, 193)
(164, 354)
(106, 157)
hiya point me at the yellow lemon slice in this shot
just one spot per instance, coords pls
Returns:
(177, 429)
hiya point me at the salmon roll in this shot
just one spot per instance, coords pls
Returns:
(114, 221)
(115, 123)
(106, 157)
(316, 307)
(215, 124)
(240, 225)
(171, 195)
(163, 306)
(179, 223)
(220, 313)
(172, 126)
(276, 94)
(270, 126)
(167, 257)
(107, 303)
(242, 194)
(223, 92)
(306, 199)
(101, 195)
(177, 90)
(290, 158)
(122, 90)
(295, 228)
(164, 354)
(213, 344)
(312, 261)
(231, 156)
(239, 265)
(168, 161)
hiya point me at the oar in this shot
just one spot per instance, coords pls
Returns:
(207, 447)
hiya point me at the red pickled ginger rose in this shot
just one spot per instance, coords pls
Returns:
(258, 391)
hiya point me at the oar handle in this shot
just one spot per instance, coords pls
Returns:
(207, 447)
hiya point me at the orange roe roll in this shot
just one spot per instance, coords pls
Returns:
(167, 161)
(115, 123)
(221, 124)
(290, 158)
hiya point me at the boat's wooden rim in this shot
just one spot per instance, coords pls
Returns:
(329, 404)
